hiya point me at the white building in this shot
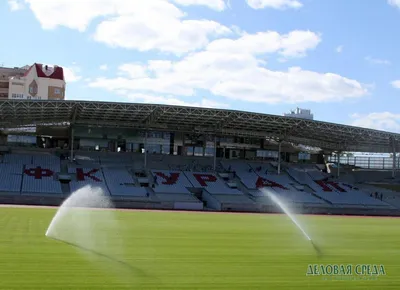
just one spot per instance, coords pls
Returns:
(300, 113)
(39, 82)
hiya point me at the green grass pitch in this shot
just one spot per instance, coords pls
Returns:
(177, 250)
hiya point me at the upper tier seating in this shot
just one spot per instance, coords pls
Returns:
(347, 196)
(120, 183)
(10, 177)
(170, 181)
(87, 176)
(316, 174)
(21, 159)
(38, 172)
(210, 182)
(245, 173)
(262, 168)
(47, 161)
(38, 179)
(303, 178)
(292, 196)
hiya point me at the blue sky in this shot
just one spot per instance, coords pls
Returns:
(338, 58)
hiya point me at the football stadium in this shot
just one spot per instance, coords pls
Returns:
(102, 195)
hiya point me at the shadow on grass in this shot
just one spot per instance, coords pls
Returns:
(124, 264)
(317, 249)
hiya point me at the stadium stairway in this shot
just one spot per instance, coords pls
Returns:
(243, 188)
(306, 186)
(312, 192)
(65, 188)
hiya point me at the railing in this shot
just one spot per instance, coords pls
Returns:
(367, 162)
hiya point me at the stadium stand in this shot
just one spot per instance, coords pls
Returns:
(210, 182)
(40, 176)
(299, 185)
(170, 182)
(31, 174)
(20, 159)
(172, 186)
(86, 176)
(121, 183)
(38, 180)
(10, 177)
(105, 141)
(245, 173)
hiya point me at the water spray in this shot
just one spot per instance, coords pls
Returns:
(94, 252)
(79, 223)
(284, 208)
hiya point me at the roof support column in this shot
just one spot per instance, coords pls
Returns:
(183, 153)
(145, 149)
(394, 158)
(204, 144)
(71, 158)
(279, 157)
(215, 153)
(338, 163)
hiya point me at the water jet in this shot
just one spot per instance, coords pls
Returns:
(286, 210)
(80, 221)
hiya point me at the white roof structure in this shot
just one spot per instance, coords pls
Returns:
(327, 136)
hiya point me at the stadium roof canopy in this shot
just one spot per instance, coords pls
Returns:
(328, 136)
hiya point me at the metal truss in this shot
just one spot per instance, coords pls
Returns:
(329, 136)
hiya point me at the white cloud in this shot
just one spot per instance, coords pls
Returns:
(218, 5)
(71, 14)
(377, 61)
(396, 84)
(171, 100)
(339, 49)
(276, 4)
(294, 44)
(103, 67)
(126, 23)
(385, 121)
(395, 3)
(232, 69)
(133, 71)
(15, 5)
(166, 34)
(159, 67)
(71, 74)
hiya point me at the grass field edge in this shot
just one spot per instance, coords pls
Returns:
(203, 212)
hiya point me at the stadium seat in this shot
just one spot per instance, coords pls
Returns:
(10, 177)
(210, 182)
(121, 183)
(87, 176)
(170, 181)
(38, 179)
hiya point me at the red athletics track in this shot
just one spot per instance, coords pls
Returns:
(204, 212)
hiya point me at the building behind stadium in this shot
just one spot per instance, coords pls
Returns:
(35, 82)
